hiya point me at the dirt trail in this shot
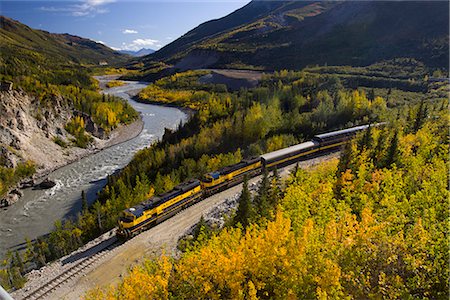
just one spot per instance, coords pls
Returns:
(162, 237)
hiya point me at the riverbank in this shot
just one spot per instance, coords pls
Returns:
(34, 142)
(188, 111)
(134, 95)
(52, 160)
(37, 210)
(120, 135)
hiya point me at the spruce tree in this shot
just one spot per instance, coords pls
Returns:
(202, 227)
(84, 203)
(244, 211)
(345, 158)
(444, 105)
(275, 193)
(371, 95)
(343, 165)
(366, 140)
(18, 262)
(420, 116)
(262, 199)
(295, 171)
(378, 151)
(392, 153)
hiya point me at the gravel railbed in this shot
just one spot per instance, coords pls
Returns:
(161, 238)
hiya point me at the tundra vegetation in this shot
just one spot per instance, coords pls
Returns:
(286, 108)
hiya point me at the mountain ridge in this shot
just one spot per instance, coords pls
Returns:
(64, 48)
(293, 34)
(138, 53)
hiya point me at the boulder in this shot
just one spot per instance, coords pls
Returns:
(27, 183)
(10, 199)
(16, 192)
(46, 184)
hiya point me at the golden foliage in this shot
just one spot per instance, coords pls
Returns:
(382, 236)
(114, 83)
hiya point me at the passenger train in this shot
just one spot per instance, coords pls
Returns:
(156, 209)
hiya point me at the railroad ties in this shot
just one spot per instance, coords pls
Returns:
(73, 272)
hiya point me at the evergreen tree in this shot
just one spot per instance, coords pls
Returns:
(420, 116)
(18, 262)
(371, 95)
(16, 278)
(275, 193)
(262, 199)
(295, 171)
(378, 152)
(366, 140)
(201, 228)
(444, 105)
(244, 213)
(41, 251)
(392, 153)
(84, 203)
(345, 158)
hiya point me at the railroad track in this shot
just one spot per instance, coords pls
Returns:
(71, 273)
(76, 270)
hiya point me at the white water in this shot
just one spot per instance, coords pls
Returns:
(35, 213)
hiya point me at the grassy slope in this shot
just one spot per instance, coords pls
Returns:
(61, 48)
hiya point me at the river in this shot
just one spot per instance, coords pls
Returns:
(35, 213)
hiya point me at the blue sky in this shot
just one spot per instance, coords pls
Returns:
(120, 24)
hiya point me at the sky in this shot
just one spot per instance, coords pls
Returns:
(120, 24)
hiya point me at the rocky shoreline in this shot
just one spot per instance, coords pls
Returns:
(117, 136)
(30, 134)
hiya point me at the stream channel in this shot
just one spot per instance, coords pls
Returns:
(36, 212)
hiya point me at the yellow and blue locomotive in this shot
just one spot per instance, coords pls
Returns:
(156, 209)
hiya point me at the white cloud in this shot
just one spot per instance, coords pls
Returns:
(100, 42)
(138, 44)
(169, 38)
(85, 8)
(129, 31)
(98, 2)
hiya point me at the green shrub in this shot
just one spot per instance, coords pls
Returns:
(59, 141)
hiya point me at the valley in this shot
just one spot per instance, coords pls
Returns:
(280, 150)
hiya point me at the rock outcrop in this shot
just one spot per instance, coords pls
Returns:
(29, 129)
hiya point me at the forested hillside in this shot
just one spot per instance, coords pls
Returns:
(286, 108)
(293, 34)
(61, 48)
(53, 92)
(372, 225)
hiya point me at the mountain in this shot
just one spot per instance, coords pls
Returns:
(139, 53)
(19, 40)
(293, 34)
